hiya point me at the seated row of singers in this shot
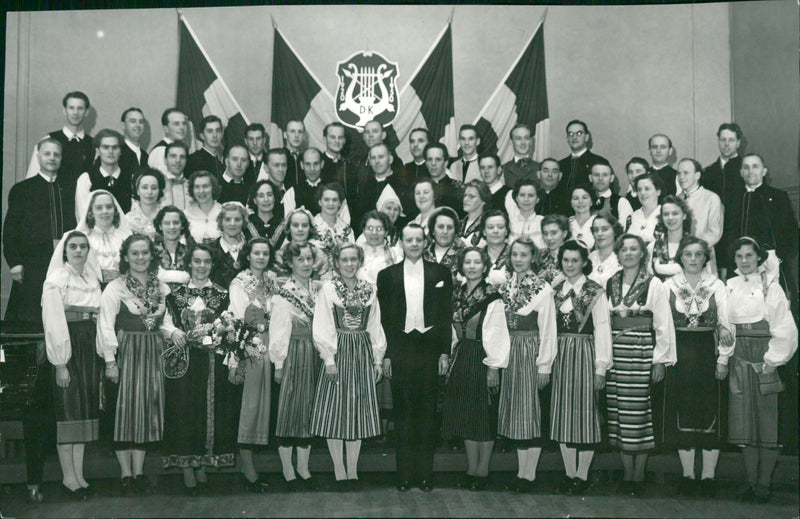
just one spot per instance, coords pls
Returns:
(681, 332)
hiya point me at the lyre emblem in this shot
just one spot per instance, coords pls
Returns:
(367, 90)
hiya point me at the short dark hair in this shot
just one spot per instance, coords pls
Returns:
(70, 236)
(106, 133)
(205, 121)
(376, 215)
(159, 219)
(251, 199)
(278, 151)
(747, 240)
(445, 211)
(517, 127)
(76, 94)
(684, 207)
(487, 261)
(216, 189)
(423, 130)
(652, 177)
(637, 160)
(584, 187)
(618, 243)
(256, 127)
(176, 144)
(577, 121)
(732, 127)
(469, 127)
(492, 156)
(698, 168)
(650, 140)
(192, 249)
(411, 225)
(575, 246)
(129, 110)
(293, 251)
(558, 219)
(169, 111)
(149, 172)
(124, 266)
(335, 124)
(612, 220)
(244, 254)
(233, 146)
(336, 187)
(694, 240)
(438, 146)
(491, 214)
(756, 155)
(525, 181)
(603, 162)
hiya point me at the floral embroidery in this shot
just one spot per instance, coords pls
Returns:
(301, 298)
(637, 291)
(582, 304)
(547, 266)
(148, 296)
(692, 299)
(353, 299)
(520, 290)
(255, 288)
(467, 304)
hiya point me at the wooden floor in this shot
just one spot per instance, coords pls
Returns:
(379, 498)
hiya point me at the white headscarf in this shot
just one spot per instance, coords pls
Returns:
(90, 268)
(389, 195)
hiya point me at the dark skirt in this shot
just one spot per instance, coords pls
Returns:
(300, 375)
(630, 414)
(470, 411)
(520, 413)
(574, 414)
(694, 400)
(191, 426)
(348, 409)
(140, 399)
(77, 407)
(753, 417)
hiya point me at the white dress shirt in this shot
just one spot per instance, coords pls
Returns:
(414, 286)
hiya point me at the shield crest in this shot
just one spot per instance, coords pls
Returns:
(367, 90)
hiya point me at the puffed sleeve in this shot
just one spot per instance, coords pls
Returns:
(56, 333)
(658, 303)
(375, 331)
(109, 308)
(783, 343)
(497, 342)
(548, 342)
(238, 299)
(602, 335)
(721, 297)
(82, 194)
(323, 327)
(280, 330)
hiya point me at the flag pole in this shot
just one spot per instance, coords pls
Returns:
(427, 55)
(183, 19)
(296, 55)
(511, 68)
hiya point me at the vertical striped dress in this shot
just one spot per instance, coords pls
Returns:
(640, 320)
(574, 414)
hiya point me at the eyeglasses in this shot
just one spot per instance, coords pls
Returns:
(374, 228)
(579, 133)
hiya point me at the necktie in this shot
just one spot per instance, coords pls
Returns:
(523, 162)
(465, 168)
(111, 181)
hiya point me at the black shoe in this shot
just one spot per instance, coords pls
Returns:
(140, 484)
(687, 486)
(89, 490)
(761, 494)
(639, 488)
(466, 482)
(579, 486)
(747, 494)
(513, 484)
(74, 495)
(565, 487)
(479, 483)
(35, 495)
(126, 485)
(708, 487)
(256, 486)
(191, 491)
(425, 486)
(305, 484)
(625, 488)
(404, 486)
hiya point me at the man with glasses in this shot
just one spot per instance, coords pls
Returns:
(577, 166)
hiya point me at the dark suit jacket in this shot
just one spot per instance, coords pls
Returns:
(575, 171)
(202, 160)
(128, 161)
(726, 182)
(437, 307)
(667, 175)
(514, 171)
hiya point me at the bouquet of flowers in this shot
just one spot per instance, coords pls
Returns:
(198, 322)
(237, 341)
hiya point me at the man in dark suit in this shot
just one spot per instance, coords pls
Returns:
(39, 213)
(133, 156)
(305, 193)
(660, 147)
(636, 167)
(723, 176)
(257, 141)
(416, 313)
(553, 197)
(416, 168)
(106, 174)
(207, 158)
(380, 176)
(492, 176)
(521, 166)
(235, 187)
(446, 191)
(175, 126)
(465, 167)
(335, 167)
(295, 137)
(577, 166)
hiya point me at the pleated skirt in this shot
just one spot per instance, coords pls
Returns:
(470, 411)
(574, 416)
(300, 374)
(255, 402)
(519, 415)
(348, 409)
(752, 417)
(629, 408)
(140, 400)
(77, 407)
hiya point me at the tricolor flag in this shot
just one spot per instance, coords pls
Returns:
(521, 97)
(202, 91)
(297, 95)
(426, 101)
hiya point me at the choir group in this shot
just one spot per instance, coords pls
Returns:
(591, 323)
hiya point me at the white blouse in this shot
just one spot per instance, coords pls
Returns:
(203, 226)
(658, 304)
(141, 223)
(377, 259)
(582, 233)
(530, 227)
(603, 270)
(64, 288)
(752, 305)
(644, 226)
(283, 317)
(324, 326)
(106, 245)
(601, 321)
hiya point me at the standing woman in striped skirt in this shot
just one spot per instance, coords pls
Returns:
(291, 349)
(470, 403)
(348, 335)
(644, 343)
(579, 371)
(531, 319)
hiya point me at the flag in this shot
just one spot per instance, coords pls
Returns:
(426, 101)
(297, 95)
(202, 91)
(520, 98)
